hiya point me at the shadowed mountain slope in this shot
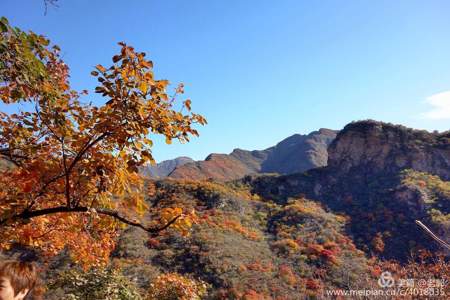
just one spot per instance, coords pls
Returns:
(295, 154)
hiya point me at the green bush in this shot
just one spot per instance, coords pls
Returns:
(105, 284)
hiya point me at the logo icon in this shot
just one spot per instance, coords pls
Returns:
(386, 280)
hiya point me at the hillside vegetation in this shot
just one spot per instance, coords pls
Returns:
(243, 246)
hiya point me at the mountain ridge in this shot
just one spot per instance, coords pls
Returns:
(163, 169)
(296, 153)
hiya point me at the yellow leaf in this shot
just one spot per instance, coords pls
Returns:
(124, 75)
(148, 142)
(100, 68)
(187, 223)
(143, 87)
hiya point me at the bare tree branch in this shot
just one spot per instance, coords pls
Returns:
(435, 237)
(47, 3)
(102, 211)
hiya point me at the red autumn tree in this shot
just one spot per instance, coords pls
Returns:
(73, 178)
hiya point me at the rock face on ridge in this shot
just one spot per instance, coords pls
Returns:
(386, 148)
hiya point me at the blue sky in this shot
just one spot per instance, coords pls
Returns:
(262, 70)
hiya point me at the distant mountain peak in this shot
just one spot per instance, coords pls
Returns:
(297, 153)
(164, 168)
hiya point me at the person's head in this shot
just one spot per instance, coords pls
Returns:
(17, 279)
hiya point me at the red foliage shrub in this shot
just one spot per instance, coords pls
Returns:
(314, 249)
(376, 271)
(253, 295)
(288, 276)
(312, 284)
(257, 266)
(153, 243)
(329, 256)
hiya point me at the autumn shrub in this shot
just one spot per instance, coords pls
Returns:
(173, 286)
(258, 266)
(287, 275)
(312, 284)
(105, 284)
(285, 246)
(254, 295)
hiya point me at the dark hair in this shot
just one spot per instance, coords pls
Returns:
(22, 275)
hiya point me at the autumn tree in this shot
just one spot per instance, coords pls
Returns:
(73, 180)
(175, 286)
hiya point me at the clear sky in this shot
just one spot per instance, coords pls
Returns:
(262, 70)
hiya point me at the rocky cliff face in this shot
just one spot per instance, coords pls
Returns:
(295, 154)
(386, 148)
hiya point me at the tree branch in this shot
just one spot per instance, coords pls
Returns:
(66, 175)
(102, 211)
(88, 145)
(38, 113)
(43, 190)
(68, 169)
(435, 237)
